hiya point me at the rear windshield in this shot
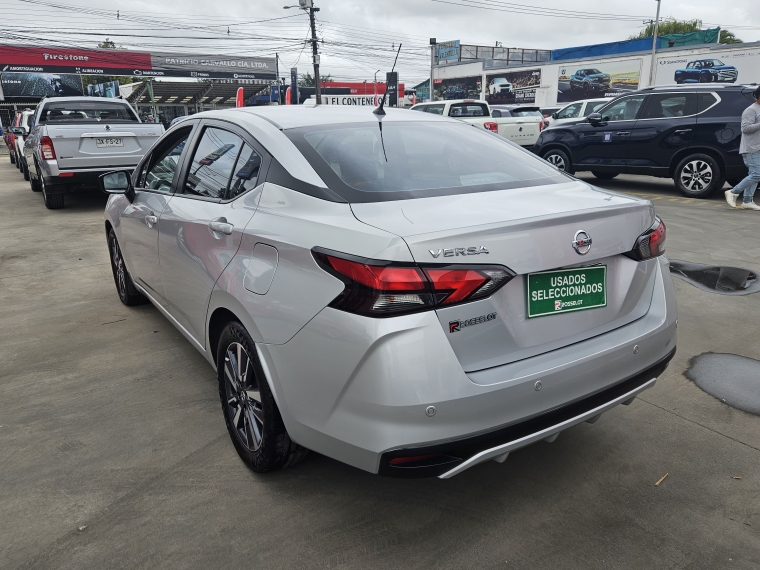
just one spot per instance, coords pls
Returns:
(416, 160)
(526, 113)
(87, 112)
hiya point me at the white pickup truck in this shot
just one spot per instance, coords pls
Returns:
(72, 140)
(523, 130)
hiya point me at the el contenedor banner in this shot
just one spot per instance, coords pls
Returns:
(32, 59)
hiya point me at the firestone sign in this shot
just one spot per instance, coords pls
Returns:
(31, 59)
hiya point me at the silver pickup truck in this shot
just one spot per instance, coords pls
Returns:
(72, 140)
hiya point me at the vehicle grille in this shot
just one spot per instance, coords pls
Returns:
(727, 75)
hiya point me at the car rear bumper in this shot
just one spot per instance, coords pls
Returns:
(60, 180)
(361, 390)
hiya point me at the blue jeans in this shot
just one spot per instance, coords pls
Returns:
(749, 184)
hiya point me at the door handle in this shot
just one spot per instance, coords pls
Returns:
(682, 131)
(623, 133)
(220, 227)
(150, 220)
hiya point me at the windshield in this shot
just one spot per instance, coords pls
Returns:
(593, 72)
(417, 160)
(87, 112)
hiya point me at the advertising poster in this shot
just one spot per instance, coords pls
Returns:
(107, 89)
(40, 85)
(512, 86)
(457, 88)
(579, 81)
(736, 66)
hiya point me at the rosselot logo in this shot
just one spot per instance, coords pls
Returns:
(456, 326)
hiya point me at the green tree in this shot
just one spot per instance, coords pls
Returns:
(670, 25)
(307, 79)
(109, 44)
(95, 79)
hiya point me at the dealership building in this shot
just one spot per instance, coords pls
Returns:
(555, 78)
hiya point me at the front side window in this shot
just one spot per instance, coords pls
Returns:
(624, 109)
(468, 110)
(570, 112)
(593, 107)
(158, 172)
(416, 160)
(419, 108)
(435, 109)
(213, 162)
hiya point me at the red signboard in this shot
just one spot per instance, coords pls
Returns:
(360, 87)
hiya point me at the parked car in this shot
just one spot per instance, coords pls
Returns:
(577, 110)
(590, 80)
(75, 139)
(522, 114)
(547, 111)
(521, 130)
(9, 139)
(21, 132)
(500, 86)
(690, 134)
(706, 71)
(312, 256)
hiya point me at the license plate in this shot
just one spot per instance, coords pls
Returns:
(567, 290)
(103, 143)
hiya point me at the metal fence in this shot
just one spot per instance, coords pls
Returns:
(501, 56)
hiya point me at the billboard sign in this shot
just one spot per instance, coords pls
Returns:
(448, 51)
(597, 80)
(391, 80)
(107, 89)
(512, 86)
(31, 59)
(40, 85)
(736, 66)
(457, 88)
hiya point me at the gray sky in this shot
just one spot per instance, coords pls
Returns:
(359, 36)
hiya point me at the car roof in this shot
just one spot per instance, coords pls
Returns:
(295, 116)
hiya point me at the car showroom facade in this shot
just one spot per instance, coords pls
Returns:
(543, 81)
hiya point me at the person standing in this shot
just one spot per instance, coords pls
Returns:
(750, 151)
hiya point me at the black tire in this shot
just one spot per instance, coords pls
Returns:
(698, 176)
(586, 89)
(13, 157)
(559, 159)
(250, 412)
(679, 80)
(17, 160)
(705, 79)
(125, 287)
(52, 201)
(35, 183)
(25, 171)
(604, 175)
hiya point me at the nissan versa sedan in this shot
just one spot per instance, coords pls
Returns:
(403, 292)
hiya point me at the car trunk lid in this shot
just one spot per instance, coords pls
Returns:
(101, 145)
(528, 230)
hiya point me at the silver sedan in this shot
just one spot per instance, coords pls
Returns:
(405, 293)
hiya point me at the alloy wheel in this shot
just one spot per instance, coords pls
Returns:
(121, 271)
(557, 161)
(243, 400)
(696, 175)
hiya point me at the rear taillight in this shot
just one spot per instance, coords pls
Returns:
(651, 243)
(383, 288)
(46, 148)
(489, 126)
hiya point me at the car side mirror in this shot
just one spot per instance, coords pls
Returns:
(117, 182)
(555, 115)
(595, 118)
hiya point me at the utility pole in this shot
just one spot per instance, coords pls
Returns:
(308, 6)
(654, 45)
(433, 43)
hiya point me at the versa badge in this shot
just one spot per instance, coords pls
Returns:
(452, 252)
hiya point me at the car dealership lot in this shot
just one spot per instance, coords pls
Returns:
(115, 453)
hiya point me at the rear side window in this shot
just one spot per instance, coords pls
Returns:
(416, 159)
(468, 110)
(670, 105)
(705, 101)
(245, 173)
(87, 112)
(213, 162)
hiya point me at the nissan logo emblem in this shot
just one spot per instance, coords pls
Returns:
(582, 242)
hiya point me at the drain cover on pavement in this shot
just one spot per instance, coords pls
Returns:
(734, 380)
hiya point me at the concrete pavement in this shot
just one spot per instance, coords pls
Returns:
(114, 453)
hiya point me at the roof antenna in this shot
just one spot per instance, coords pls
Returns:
(380, 110)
